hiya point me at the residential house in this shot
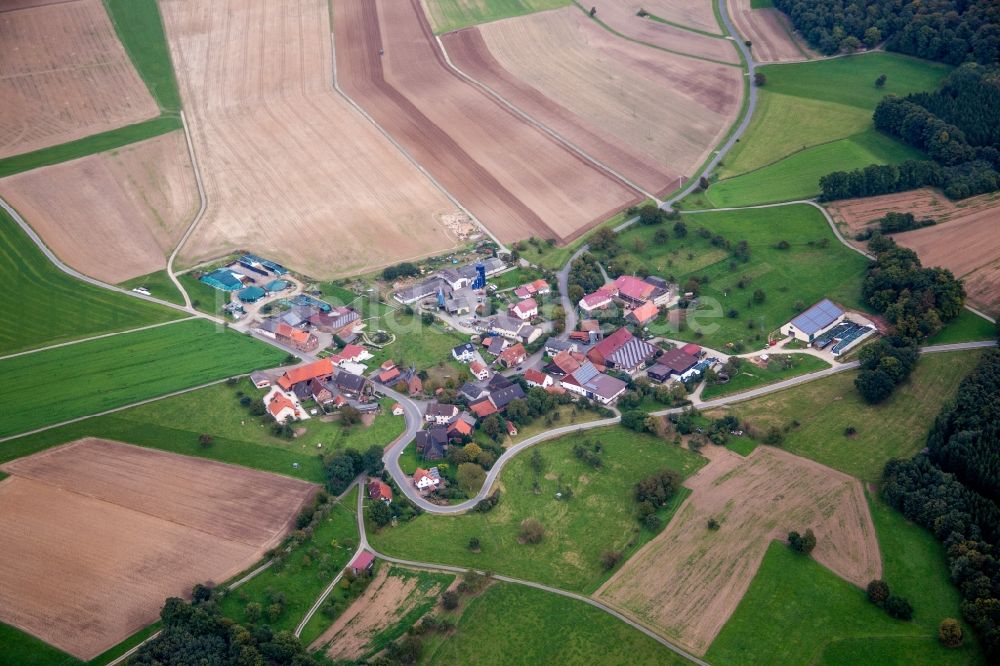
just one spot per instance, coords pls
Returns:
(432, 444)
(389, 376)
(464, 353)
(483, 408)
(496, 344)
(538, 378)
(363, 562)
(600, 352)
(320, 392)
(340, 321)
(678, 361)
(511, 428)
(380, 490)
(424, 480)
(350, 354)
(282, 406)
(631, 356)
(511, 328)
(470, 392)
(598, 300)
(565, 363)
(260, 380)
(643, 314)
(554, 345)
(397, 409)
(498, 382)
(479, 370)
(455, 278)
(512, 356)
(537, 288)
(440, 414)
(525, 310)
(350, 385)
(415, 385)
(590, 383)
(503, 397)
(461, 427)
(591, 326)
(296, 337)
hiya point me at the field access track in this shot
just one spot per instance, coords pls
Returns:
(99, 533)
(517, 180)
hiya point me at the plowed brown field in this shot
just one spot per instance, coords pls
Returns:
(64, 75)
(965, 240)
(621, 16)
(516, 179)
(768, 29)
(688, 581)
(291, 170)
(113, 216)
(647, 114)
(98, 534)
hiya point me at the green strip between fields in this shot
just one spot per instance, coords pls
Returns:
(95, 143)
(660, 19)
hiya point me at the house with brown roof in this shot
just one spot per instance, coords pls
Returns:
(426, 479)
(415, 385)
(483, 408)
(597, 300)
(363, 562)
(389, 376)
(525, 310)
(379, 490)
(321, 369)
(283, 406)
(677, 361)
(512, 356)
(632, 290)
(643, 314)
(537, 378)
(320, 392)
(296, 337)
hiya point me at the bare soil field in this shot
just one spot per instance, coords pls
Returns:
(688, 581)
(115, 215)
(965, 240)
(646, 113)
(384, 602)
(622, 17)
(291, 170)
(99, 533)
(517, 180)
(64, 75)
(769, 31)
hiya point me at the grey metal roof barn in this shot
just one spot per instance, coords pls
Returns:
(817, 317)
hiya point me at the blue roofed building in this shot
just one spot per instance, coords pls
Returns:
(814, 321)
(251, 294)
(223, 279)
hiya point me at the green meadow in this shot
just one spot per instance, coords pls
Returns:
(44, 306)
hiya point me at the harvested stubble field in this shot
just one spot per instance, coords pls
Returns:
(966, 239)
(688, 581)
(115, 215)
(647, 114)
(515, 178)
(64, 75)
(768, 30)
(622, 18)
(697, 14)
(291, 170)
(99, 533)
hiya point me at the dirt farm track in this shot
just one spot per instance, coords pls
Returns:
(63, 75)
(99, 533)
(517, 180)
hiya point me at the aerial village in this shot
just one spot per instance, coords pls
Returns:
(517, 363)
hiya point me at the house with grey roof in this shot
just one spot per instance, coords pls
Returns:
(814, 321)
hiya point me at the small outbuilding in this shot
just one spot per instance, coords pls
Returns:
(363, 562)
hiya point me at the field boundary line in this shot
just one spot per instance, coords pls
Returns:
(113, 410)
(405, 153)
(96, 337)
(660, 19)
(540, 125)
(202, 207)
(607, 27)
(72, 272)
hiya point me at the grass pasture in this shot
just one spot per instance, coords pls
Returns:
(797, 176)
(824, 105)
(826, 407)
(751, 376)
(159, 284)
(448, 15)
(550, 629)
(44, 306)
(69, 382)
(803, 272)
(967, 327)
(600, 516)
